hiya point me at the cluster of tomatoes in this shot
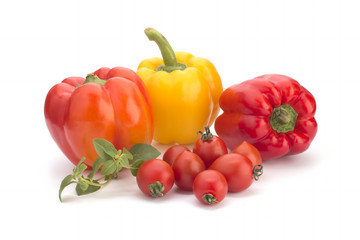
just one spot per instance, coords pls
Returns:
(209, 170)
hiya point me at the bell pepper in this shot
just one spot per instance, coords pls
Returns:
(184, 92)
(110, 103)
(272, 112)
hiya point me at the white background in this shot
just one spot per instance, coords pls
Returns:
(314, 195)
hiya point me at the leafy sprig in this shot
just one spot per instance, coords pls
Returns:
(111, 161)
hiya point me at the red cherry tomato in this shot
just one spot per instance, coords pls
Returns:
(209, 147)
(210, 187)
(155, 177)
(172, 152)
(249, 151)
(186, 166)
(237, 169)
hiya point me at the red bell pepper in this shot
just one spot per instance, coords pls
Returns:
(272, 112)
(110, 103)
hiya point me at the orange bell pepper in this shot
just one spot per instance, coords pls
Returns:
(111, 104)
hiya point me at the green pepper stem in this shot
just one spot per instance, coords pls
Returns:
(166, 50)
(95, 79)
(283, 116)
(283, 119)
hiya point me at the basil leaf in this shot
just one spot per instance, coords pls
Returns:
(118, 168)
(81, 168)
(127, 154)
(83, 185)
(90, 189)
(108, 168)
(96, 165)
(80, 162)
(144, 152)
(64, 183)
(124, 162)
(135, 167)
(104, 148)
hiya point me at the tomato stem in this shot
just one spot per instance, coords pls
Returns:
(258, 171)
(207, 135)
(156, 189)
(209, 199)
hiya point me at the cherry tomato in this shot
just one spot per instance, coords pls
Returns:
(172, 152)
(186, 166)
(155, 177)
(210, 187)
(209, 147)
(250, 151)
(237, 169)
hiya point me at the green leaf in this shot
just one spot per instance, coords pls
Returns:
(95, 167)
(135, 166)
(108, 168)
(83, 185)
(80, 162)
(119, 167)
(144, 152)
(128, 154)
(64, 183)
(81, 168)
(90, 189)
(104, 148)
(124, 162)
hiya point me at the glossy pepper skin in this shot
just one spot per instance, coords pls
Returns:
(184, 92)
(110, 103)
(272, 112)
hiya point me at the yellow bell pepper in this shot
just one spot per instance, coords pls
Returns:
(184, 91)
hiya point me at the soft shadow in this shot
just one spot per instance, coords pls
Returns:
(289, 165)
(249, 192)
(61, 167)
(195, 202)
(303, 160)
(182, 192)
(157, 200)
(172, 194)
